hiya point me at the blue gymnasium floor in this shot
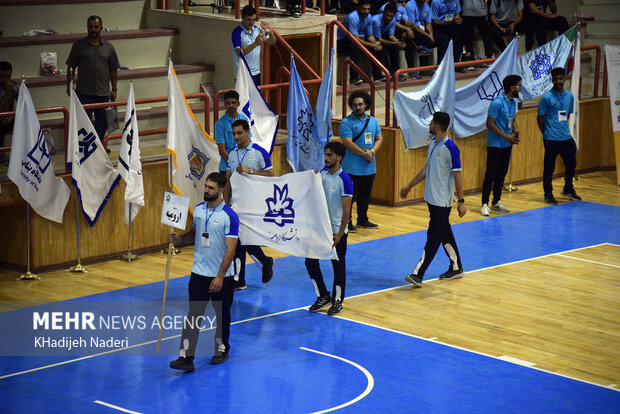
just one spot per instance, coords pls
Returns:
(270, 372)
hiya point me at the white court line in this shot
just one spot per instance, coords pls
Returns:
(369, 378)
(117, 407)
(590, 261)
(286, 311)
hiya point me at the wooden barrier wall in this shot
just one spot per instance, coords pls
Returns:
(55, 245)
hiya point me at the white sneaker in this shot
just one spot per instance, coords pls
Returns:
(485, 210)
(499, 207)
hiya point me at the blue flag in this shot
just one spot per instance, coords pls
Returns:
(323, 103)
(304, 148)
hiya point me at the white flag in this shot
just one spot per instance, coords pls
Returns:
(472, 101)
(31, 167)
(573, 120)
(129, 165)
(263, 121)
(414, 110)
(287, 213)
(194, 152)
(93, 175)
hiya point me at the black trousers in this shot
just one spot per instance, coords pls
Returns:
(439, 232)
(346, 47)
(339, 266)
(4, 129)
(539, 26)
(199, 297)
(362, 187)
(422, 40)
(101, 123)
(498, 160)
(389, 57)
(483, 28)
(498, 37)
(455, 32)
(568, 151)
(257, 254)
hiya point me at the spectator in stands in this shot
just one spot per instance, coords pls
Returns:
(475, 14)
(9, 90)
(383, 29)
(419, 13)
(97, 64)
(537, 20)
(403, 30)
(446, 17)
(359, 24)
(502, 21)
(223, 127)
(248, 38)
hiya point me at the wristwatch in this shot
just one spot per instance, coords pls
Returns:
(462, 200)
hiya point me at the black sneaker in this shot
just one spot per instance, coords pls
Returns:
(182, 364)
(550, 199)
(219, 357)
(571, 196)
(415, 280)
(320, 303)
(268, 270)
(351, 228)
(237, 285)
(335, 309)
(452, 274)
(367, 225)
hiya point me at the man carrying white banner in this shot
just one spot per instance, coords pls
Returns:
(31, 167)
(129, 164)
(263, 121)
(93, 175)
(194, 152)
(414, 110)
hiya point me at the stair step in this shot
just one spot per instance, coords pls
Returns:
(598, 28)
(602, 13)
(599, 2)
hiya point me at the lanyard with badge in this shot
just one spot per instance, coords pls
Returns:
(204, 241)
(244, 154)
(562, 113)
(450, 13)
(540, 6)
(367, 136)
(509, 115)
(421, 17)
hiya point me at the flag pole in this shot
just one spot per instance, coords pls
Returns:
(510, 187)
(129, 256)
(28, 275)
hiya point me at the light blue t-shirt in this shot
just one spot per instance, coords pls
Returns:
(418, 15)
(504, 112)
(224, 135)
(443, 158)
(253, 156)
(350, 127)
(401, 13)
(219, 223)
(356, 26)
(381, 29)
(556, 107)
(336, 186)
(444, 10)
(242, 38)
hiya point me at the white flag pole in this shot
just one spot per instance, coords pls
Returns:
(129, 256)
(28, 275)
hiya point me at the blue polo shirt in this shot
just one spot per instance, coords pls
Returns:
(504, 111)
(242, 38)
(443, 158)
(223, 134)
(550, 106)
(401, 13)
(356, 26)
(220, 223)
(336, 186)
(440, 9)
(253, 156)
(418, 15)
(350, 127)
(381, 29)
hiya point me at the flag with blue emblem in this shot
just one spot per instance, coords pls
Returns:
(535, 66)
(263, 120)
(324, 103)
(414, 110)
(304, 148)
(575, 80)
(472, 101)
(194, 153)
(93, 175)
(288, 213)
(31, 167)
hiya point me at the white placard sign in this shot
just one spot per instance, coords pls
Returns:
(174, 211)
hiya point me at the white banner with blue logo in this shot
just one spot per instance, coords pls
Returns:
(414, 110)
(324, 103)
(287, 213)
(304, 148)
(535, 66)
(31, 167)
(263, 120)
(472, 101)
(612, 57)
(93, 175)
(194, 153)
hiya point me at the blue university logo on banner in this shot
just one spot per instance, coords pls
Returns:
(279, 207)
(430, 107)
(197, 162)
(490, 88)
(540, 66)
(304, 130)
(39, 154)
(87, 144)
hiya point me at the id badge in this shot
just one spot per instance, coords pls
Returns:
(562, 117)
(449, 17)
(541, 8)
(368, 138)
(509, 123)
(204, 240)
(421, 25)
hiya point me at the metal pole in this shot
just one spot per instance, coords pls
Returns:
(510, 187)
(28, 275)
(129, 256)
(78, 268)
